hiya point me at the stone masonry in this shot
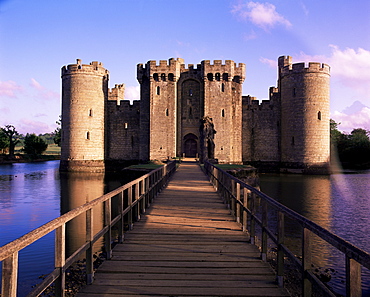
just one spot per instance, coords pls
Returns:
(290, 131)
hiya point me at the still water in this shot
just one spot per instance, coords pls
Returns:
(339, 203)
(32, 194)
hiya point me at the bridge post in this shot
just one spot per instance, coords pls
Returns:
(280, 252)
(89, 251)
(232, 198)
(353, 278)
(108, 222)
(238, 203)
(142, 193)
(253, 221)
(137, 196)
(306, 262)
(60, 258)
(264, 233)
(121, 223)
(246, 194)
(129, 215)
(9, 276)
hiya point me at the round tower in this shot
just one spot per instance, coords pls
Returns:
(305, 122)
(84, 92)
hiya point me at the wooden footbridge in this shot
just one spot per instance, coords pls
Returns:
(203, 235)
(186, 244)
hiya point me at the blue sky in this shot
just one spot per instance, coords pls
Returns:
(38, 37)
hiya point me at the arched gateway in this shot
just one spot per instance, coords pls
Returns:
(190, 145)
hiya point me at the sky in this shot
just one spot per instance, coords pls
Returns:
(38, 37)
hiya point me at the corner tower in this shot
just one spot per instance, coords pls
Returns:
(84, 92)
(305, 125)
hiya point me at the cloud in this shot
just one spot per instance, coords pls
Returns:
(30, 126)
(250, 36)
(348, 122)
(10, 89)
(304, 8)
(132, 93)
(269, 62)
(263, 15)
(42, 92)
(351, 66)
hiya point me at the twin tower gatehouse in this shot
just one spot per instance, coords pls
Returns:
(196, 111)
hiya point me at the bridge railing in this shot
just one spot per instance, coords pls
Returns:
(133, 198)
(252, 209)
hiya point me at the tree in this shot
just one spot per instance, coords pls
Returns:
(4, 141)
(58, 133)
(12, 135)
(354, 148)
(335, 134)
(34, 145)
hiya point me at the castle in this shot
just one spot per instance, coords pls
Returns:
(196, 111)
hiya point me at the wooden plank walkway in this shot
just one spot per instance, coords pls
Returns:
(186, 244)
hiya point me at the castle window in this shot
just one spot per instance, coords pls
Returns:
(126, 126)
(170, 77)
(166, 112)
(223, 113)
(294, 92)
(132, 140)
(292, 140)
(163, 77)
(88, 135)
(158, 90)
(90, 113)
(210, 76)
(319, 115)
(155, 77)
(190, 92)
(190, 113)
(223, 87)
(236, 79)
(218, 76)
(225, 76)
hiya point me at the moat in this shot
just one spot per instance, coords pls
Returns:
(32, 194)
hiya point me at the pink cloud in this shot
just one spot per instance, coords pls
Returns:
(269, 62)
(9, 89)
(42, 92)
(30, 126)
(132, 93)
(263, 15)
(348, 122)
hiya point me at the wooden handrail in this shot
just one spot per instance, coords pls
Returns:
(355, 257)
(151, 184)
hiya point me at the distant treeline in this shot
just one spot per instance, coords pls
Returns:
(353, 150)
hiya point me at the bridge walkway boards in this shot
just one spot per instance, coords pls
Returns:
(186, 244)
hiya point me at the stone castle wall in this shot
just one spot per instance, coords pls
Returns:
(261, 129)
(84, 91)
(305, 96)
(290, 130)
(222, 102)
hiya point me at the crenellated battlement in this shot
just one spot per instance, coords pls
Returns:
(229, 67)
(286, 67)
(125, 105)
(164, 68)
(252, 103)
(94, 68)
(117, 93)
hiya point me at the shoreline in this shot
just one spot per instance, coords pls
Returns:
(4, 159)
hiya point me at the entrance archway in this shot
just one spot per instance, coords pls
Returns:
(190, 145)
